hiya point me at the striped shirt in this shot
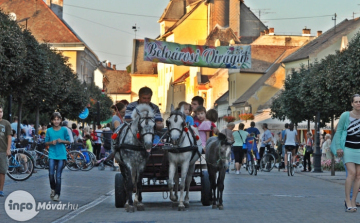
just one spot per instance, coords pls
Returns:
(130, 108)
(353, 134)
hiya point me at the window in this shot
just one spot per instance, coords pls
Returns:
(217, 42)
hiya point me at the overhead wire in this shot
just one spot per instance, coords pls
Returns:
(100, 24)
(141, 15)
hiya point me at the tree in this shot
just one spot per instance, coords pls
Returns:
(96, 95)
(12, 53)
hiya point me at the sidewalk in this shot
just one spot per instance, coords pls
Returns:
(339, 177)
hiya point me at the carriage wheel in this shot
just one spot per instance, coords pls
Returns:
(205, 189)
(120, 192)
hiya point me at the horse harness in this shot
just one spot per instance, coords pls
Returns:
(193, 147)
(139, 138)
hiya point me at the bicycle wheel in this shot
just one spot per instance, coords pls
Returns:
(292, 168)
(289, 164)
(75, 160)
(88, 165)
(21, 166)
(255, 168)
(250, 167)
(267, 162)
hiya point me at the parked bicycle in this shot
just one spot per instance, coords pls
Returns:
(39, 153)
(21, 165)
(267, 162)
(75, 160)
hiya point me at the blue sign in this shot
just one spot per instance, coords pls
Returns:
(84, 114)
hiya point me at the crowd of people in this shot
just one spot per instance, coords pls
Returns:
(59, 134)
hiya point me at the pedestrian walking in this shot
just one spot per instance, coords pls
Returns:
(346, 144)
(325, 148)
(308, 151)
(97, 143)
(56, 138)
(266, 140)
(240, 139)
(5, 144)
(291, 138)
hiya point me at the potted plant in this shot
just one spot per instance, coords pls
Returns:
(229, 118)
(246, 116)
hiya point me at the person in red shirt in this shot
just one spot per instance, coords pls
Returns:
(74, 129)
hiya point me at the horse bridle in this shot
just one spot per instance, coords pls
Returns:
(145, 119)
(183, 124)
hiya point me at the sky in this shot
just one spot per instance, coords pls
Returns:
(106, 25)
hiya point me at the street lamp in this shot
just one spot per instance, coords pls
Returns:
(317, 154)
(229, 111)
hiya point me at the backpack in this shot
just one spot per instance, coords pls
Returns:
(94, 136)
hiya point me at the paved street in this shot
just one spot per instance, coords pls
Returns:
(268, 197)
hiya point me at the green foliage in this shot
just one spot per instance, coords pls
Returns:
(325, 86)
(96, 95)
(12, 53)
(40, 78)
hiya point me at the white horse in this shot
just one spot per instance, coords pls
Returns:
(132, 149)
(185, 151)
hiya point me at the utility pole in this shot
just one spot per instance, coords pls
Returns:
(135, 28)
(334, 18)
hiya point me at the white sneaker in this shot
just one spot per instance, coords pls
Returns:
(56, 197)
(52, 194)
(237, 172)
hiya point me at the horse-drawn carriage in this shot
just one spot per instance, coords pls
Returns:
(148, 168)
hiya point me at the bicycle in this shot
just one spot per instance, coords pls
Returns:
(267, 162)
(290, 165)
(90, 160)
(40, 154)
(74, 160)
(251, 164)
(21, 165)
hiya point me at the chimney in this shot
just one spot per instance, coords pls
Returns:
(306, 32)
(271, 31)
(56, 6)
(319, 33)
(114, 66)
(109, 64)
(266, 32)
(262, 33)
(234, 16)
(219, 11)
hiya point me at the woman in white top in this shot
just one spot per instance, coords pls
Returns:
(291, 138)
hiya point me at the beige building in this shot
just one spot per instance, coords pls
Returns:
(143, 73)
(326, 43)
(45, 22)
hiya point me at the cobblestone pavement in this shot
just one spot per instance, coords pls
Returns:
(268, 197)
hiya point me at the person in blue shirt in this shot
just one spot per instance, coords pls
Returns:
(56, 138)
(254, 130)
(187, 111)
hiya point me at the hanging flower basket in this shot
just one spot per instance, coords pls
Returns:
(229, 118)
(246, 116)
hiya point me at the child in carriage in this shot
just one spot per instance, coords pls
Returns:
(251, 145)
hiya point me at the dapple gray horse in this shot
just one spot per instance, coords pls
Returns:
(132, 148)
(185, 151)
(217, 157)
